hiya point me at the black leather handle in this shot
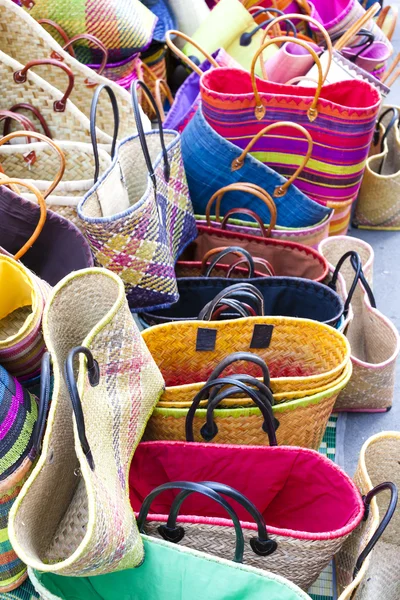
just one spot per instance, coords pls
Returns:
(261, 545)
(237, 290)
(243, 310)
(246, 38)
(391, 124)
(94, 378)
(179, 532)
(93, 113)
(142, 137)
(44, 403)
(356, 263)
(210, 429)
(240, 357)
(238, 249)
(383, 524)
(264, 391)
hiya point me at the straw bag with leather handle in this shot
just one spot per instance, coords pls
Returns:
(374, 339)
(138, 218)
(290, 529)
(367, 567)
(73, 514)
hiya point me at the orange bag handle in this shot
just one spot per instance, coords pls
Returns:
(20, 77)
(183, 56)
(355, 28)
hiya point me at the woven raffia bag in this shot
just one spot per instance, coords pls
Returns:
(25, 40)
(369, 560)
(374, 339)
(73, 515)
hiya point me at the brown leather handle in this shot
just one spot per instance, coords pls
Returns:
(20, 77)
(263, 262)
(7, 116)
(280, 191)
(355, 28)
(243, 187)
(249, 213)
(183, 56)
(96, 42)
(34, 111)
(260, 110)
(215, 251)
(307, 19)
(42, 138)
(390, 70)
(63, 34)
(4, 180)
(383, 16)
(162, 85)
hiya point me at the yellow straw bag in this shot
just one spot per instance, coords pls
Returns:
(367, 567)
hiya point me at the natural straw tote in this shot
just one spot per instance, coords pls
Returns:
(301, 526)
(73, 514)
(367, 567)
(24, 40)
(374, 339)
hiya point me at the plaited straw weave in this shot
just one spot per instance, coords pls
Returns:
(379, 575)
(374, 339)
(21, 341)
(301, 355)
(301, 422)
(69, 519)
(71, 124)
(77, 178)
(24, 39)
(145, 231)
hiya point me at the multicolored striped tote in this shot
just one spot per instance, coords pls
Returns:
(21, 309)
(340, 118)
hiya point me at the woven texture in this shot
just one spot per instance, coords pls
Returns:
(379, 573)
(24, 40)
(142, 242)
(345, 110)
(373, 338)
(68, 518)
(124, 26)
(21, 340)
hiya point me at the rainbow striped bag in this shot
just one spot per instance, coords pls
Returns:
(340, 118)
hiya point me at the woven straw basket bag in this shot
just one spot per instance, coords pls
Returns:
(374, 339)
(73, 515)
(367, 567)
(25, 40)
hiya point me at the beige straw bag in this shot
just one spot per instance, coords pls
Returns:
(73, 515)
(373, 338)
(25, 40)
(378, 204)
(377, 576)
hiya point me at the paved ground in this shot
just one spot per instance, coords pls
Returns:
(357, 428)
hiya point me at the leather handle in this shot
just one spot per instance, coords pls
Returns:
(390, 70)
(249, 188)
(281, 190)
(141, 134)
(25, 106)
(356, 263)
(255, 12)
(261, 545)
(178, 533)
(54, 145)
(44, 403)
(7, 116)
(21, 77)
(96, 42)
(354, 29)
(210, 429)
(233, 291)
(4, 180)
(93, 113)
(218, 253)
(250, 213)
(259, 111)
(383, 524)
(162, 86)
(383, 16)
(392, 123)
(258, 261)
(264, 391)
(61, 32)
(248, 357)
(183, 56)
(246, 38)
(93, 372)
(241, 308)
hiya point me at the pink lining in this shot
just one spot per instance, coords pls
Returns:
(300, 493)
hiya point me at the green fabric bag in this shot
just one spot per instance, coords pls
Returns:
(171, 572)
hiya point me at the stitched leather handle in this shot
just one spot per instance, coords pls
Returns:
(34, 111)
(21, 77)
(281, 190)
(61, 32)
(42, 138)
(383, 524)
(261, 545)
(188, 61)
(93, 113)
(179, 532)
(249, 188)
(162, 86)
(356, 263)
(93, 372)
(96, 42)
(237, 290)
(354, 29)
(43, 408)
(260, 110)
(210, 429)
(4, 180)
(135, 101)
(218, 253)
